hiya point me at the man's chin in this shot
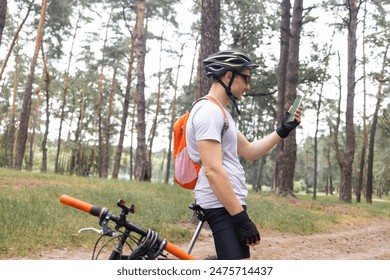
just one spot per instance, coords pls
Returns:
(239, 97)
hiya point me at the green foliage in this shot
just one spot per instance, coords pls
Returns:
(30, 203)
(300, 186)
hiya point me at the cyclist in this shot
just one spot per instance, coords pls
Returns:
(221, 189)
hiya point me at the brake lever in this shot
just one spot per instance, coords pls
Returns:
(100, 231)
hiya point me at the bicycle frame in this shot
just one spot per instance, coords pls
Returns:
(150, 245)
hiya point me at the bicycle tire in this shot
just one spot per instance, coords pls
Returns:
(211, 258)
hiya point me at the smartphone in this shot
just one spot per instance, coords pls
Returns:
(294, 108)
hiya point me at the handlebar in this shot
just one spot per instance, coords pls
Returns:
(81, 205)
(100, 212)
(104, 214)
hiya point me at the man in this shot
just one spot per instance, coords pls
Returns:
(221, 189)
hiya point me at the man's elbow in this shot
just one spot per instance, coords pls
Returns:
(249, 156)
(213, 171)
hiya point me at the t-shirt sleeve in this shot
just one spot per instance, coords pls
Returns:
(208, 121)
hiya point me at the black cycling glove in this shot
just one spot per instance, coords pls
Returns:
(286, 127)
(246, 229)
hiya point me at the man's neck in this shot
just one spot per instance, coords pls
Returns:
(219, 93)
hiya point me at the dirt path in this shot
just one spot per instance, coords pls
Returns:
(367, 241)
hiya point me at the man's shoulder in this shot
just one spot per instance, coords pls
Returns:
(206, 105)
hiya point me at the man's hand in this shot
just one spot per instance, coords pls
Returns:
(246, 229)
(286, 127)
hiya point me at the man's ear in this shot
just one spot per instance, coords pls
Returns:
(228, 75)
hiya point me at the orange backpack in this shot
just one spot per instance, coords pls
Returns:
(185, 170)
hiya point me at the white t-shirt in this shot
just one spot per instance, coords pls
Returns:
(205, 122)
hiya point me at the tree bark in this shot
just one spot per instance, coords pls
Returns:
(349, 151)
(360, 180)
(100, 161)
(125, 113)
(370, 163)
(11, 126)
(131, 164)
(209, 43)
(76, 158)
(285, 7)
(3, 16)
(26, 107)
(286, 163)
(329, 189)
(47, 112)
(82, 168)
(107, 127)
(35, 126)
(142, 166)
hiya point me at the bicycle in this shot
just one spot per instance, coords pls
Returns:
(141, 244)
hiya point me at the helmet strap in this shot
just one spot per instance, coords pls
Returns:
(229, 93)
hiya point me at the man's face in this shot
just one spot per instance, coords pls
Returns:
(241, 83)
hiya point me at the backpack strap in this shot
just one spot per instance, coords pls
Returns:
(214, 100)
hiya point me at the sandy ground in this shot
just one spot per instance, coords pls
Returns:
(368, 240)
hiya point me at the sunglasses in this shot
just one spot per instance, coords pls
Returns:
(246, 77)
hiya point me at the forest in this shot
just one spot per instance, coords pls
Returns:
(92, 88)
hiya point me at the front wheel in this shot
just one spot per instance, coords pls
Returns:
(211, 258)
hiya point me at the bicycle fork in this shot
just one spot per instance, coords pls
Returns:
(118, 249)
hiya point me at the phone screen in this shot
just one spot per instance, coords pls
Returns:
(294, 108)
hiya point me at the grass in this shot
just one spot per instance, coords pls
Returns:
(33, 219)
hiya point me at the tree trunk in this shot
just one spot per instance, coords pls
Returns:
(307, 169)
(330, 176)
(11, 126)
(47, 111)
(125, 113)
(257, 169)
(315, 175)
(286, 167)
(209, 43)
(194, 59)
(285, 7)
(349, 151)
(26, 107)
(370, 163)
(153, 129)
(66, 85)
(76, 156)
(359, 186)
(101, 149)
(82, 168)
(338, 117)
(3, 16)
(169, 155)
(35, 126)
(107, 128)
(142, 166)
(131, 171)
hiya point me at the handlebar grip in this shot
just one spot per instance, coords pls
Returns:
(81, 205)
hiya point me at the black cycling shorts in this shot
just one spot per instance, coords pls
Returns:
(226, 241)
